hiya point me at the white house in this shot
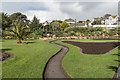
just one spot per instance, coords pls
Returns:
(111, 20)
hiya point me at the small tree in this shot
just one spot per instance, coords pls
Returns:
(20, 30)
(87, 22)
(64, 25)
(55, 27)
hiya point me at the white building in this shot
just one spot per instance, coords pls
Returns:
(111, 20)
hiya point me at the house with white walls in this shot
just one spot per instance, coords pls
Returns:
(109, 21)
(112, 20)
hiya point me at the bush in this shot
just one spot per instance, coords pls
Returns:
(88, 31)
(8, 37)
(33, 36)
(59, 34)
(71, 33)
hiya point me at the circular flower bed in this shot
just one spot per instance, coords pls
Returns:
(4, 56)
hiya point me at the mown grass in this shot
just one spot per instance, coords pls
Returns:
(89, 40)
(29, 59)
(79, 65)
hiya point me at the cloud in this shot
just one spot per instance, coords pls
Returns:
(60, 0)
(71, 7)
(89, 10)
(11, 7)
(52, 13)
(61, 10)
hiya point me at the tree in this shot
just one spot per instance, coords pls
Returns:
(64, 25)
(47, 27)
(19, 26)
(6, 21)
(35, 24)
(55, 26)
(18, 16)
(57, 21)
(20, 30)
(87, 22)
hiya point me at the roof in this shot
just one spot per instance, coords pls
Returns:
(107, 15)
(114, 16)
(80, 21)
(69, 20)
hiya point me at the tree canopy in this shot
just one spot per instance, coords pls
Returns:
(64, 25)
(6, 21)
(35, 24)
(19, 26)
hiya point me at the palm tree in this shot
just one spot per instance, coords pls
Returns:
(20, 30)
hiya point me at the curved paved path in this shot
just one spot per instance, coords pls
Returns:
(54, 67)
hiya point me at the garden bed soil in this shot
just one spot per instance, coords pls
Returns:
(94, 47)
(5, 56)
(106, 39)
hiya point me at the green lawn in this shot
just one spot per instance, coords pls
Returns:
(89, 66)
(89, 40)
(29, 60)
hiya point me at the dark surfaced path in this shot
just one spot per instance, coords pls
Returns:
(54, 67)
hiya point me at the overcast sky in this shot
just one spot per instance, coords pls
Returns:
(61, 9)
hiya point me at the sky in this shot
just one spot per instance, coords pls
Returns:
(61, 9)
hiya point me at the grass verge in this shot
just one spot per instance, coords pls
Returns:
(89, 66)
(29, 60)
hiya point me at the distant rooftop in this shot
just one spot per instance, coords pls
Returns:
(70, 20)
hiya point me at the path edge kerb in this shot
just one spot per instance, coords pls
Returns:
(63, 70)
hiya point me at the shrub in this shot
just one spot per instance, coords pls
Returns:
(59, 34)
(71, 33)
(8, 37)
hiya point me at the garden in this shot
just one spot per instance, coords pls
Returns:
(83, 65)
(29, 47)
(29, 59)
